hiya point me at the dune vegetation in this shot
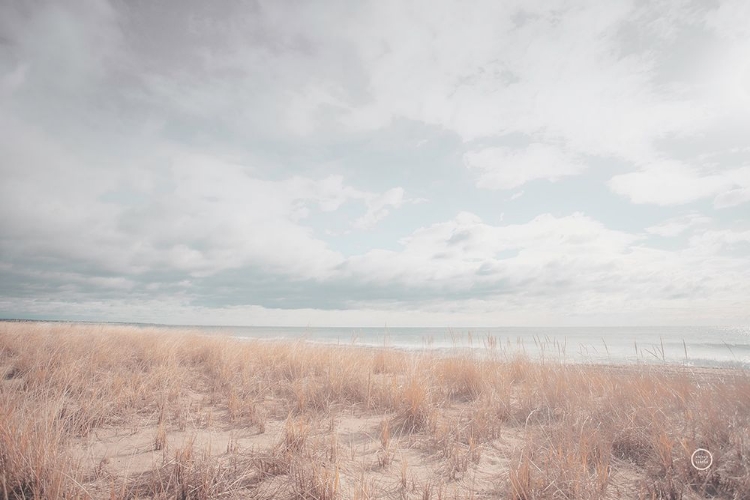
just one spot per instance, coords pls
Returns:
(103, 411)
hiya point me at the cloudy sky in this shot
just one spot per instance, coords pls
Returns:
(371, 162)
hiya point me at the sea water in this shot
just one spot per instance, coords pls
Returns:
(694, 346)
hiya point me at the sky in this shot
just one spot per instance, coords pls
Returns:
(409, 163)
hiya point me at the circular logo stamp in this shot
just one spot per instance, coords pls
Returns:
(701, 459)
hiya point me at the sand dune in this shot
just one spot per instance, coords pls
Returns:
(114, 412)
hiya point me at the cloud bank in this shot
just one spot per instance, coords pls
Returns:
(379, 162)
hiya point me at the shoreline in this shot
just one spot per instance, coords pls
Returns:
(537, 346)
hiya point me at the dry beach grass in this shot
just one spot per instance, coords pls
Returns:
(90, 411)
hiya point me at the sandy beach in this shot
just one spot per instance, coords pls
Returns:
(90, 411)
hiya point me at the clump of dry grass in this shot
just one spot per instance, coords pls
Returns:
(412, 401)
(385, 454)
(314, 481)
(33, 463)
(526, 429)
(460, 377)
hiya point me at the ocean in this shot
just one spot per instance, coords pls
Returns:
(693, 346)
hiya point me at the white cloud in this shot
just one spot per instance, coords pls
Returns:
(172, 210)
(677, 225)
(552, 266)
(548, 70)
(505, 168)
(379, 207)
(729, 19)
(673, 183)
(712, 242)
(732, 197)
(459, 252)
